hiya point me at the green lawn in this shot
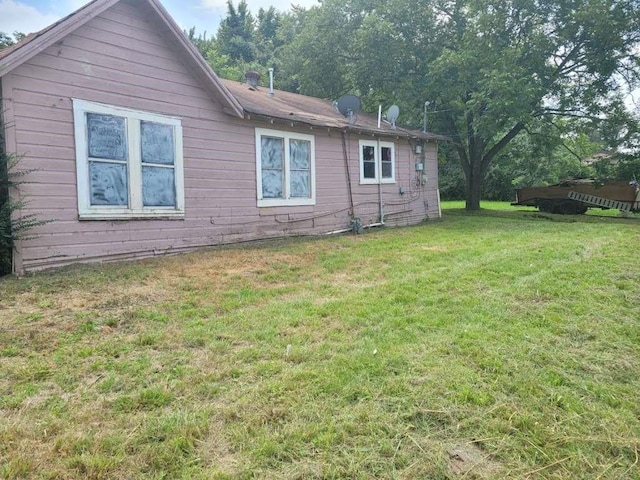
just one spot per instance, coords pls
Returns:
(504, 344)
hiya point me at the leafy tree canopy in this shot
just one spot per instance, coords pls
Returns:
(246, 42)
(7, 40)
(487, 72)
(235, 34)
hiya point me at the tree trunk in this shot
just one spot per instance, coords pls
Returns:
(478, 163)
(473, 193)
(474, 185)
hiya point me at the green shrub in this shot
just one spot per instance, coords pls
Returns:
(12, 226)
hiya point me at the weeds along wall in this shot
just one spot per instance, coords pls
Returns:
(6, 234)
(12, 225)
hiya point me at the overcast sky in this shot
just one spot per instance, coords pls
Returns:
(28, 16)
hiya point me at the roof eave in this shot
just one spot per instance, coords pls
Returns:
(358, 129)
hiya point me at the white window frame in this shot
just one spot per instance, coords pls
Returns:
(135, 208)
(287, 200)
(377, 148)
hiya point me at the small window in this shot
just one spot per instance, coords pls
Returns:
(129, 163)
(369, 162)
(377, 162)
(386, 162)
(285, 166)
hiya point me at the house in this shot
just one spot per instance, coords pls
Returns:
(139, 149)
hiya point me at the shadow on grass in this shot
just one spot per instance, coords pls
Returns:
(534, 214)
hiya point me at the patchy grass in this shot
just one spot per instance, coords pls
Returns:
(493, 345)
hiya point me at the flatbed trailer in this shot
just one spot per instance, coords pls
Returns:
(573, 197)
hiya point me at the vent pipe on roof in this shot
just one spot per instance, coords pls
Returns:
(424, 129)
(271, 82)
(252, 79)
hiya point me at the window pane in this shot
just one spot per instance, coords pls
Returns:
(386, 154)
(156, 143)
(108, 183)
(387, 162)
(272, 155)
(369, 161)
(300, 163)
(300, 186)
(158, 187)
(272, 183)
(299, 151)
(106, 136)
(369, 169)
(368, 153)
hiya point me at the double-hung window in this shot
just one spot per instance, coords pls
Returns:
(129, 163)
(285, 168)
(377, 162)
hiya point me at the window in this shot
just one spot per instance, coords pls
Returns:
(285, 167)
(377, 163)
(129, 163)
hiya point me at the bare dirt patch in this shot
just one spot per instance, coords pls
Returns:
(467, 460)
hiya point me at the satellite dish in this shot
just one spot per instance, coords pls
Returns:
(392, 115)
(348, 105)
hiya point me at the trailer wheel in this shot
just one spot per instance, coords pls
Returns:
(545, 206)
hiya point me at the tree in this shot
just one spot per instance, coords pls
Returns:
(201, 42)
(7, 40)
(244, 42)
(267, 25)
(539, 158)
(491, 70)
(518, 64)
(284, 58)
(235, 34)
(319, 57)
(542, 157)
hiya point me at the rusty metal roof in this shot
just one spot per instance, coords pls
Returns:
(293, 108)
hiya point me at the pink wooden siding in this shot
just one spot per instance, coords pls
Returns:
(123, 59)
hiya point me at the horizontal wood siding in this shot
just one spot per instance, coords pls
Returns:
(122, 58)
